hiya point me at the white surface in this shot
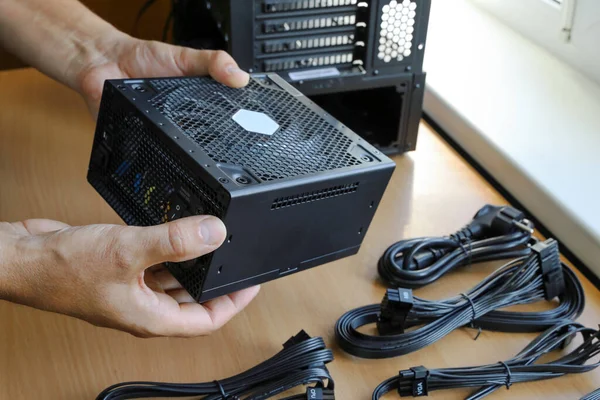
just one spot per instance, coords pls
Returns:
(528, 118)
(543, 20)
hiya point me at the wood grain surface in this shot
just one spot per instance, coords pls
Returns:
(45, 139)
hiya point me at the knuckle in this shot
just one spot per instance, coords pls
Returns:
(124, 258)
(178, 245)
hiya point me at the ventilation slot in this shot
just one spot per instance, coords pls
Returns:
(307, 61)
(303, 43)
(272, 6)
(301, 24)
(288, 201)
(397, 26)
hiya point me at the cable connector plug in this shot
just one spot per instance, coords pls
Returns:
(548, 256)
(413, 382)
(395, 306)
(317, 393)
(298, 338)
(495, 221)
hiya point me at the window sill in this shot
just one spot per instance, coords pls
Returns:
(529, 119)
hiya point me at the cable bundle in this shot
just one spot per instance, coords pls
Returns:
(419, 381)
(301, 362)
(595, 395)
(525, 280)
(495, 233)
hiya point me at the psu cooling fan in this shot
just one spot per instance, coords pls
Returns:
(294, 187)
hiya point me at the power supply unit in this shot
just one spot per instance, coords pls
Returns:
(294, 187)
(324, 47)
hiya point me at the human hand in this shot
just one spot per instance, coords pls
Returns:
(111, 275)
(119, 56)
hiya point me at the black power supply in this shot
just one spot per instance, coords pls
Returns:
(294, 186)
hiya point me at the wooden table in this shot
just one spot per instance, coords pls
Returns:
(45, 139)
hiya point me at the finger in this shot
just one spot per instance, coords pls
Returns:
(176, 241)
(195, 319)
(225, 70)
(220, 65)
(165, 279)
(181, 296)
(223, 308)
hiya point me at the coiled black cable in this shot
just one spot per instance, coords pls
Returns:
(419, 381)
(495, 233)
(301, 362)
(525, 280)
(595, 395)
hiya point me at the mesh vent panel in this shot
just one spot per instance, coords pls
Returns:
(313, 196)
(140, 178)
(303, 144)
(397, 26)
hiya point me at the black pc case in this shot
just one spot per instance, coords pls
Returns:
(294, 187)
(326, 49)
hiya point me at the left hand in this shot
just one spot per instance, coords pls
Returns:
(120, 56)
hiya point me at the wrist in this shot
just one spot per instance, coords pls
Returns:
(9, 264)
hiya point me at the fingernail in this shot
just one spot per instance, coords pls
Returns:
(233, 70)
(211, 230)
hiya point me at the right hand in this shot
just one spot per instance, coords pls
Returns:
(111, 275)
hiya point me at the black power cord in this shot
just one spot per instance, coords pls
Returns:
(301, 362)
(595, 395)
(495, 233)
(419, 381)
(533, 278)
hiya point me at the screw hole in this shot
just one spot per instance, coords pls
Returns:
(360, 230)
(191, 151)
(243, 180)
(175, 137)
(207, 165)
(230, 238)
(220, 269)
(372, 204)
(223, 180)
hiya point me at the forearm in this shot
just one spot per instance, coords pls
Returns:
(59, 37)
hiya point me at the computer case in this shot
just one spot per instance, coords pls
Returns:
(324, 47)
(294, 187)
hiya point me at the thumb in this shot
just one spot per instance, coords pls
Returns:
(176, 241)
(219, 64)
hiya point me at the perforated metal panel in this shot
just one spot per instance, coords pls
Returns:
(396, 29)
(304, 143)
(145, 173)
(271, 6)
(139, 178)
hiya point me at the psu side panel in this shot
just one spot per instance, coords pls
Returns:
(300, 227)
(147, 180)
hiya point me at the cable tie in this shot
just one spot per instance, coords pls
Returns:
(479, 330)
(508, 375)
(221, 390)
(472, 307)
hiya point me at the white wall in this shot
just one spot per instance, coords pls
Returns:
(542, 21)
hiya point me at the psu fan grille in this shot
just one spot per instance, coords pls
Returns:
(304, 143)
